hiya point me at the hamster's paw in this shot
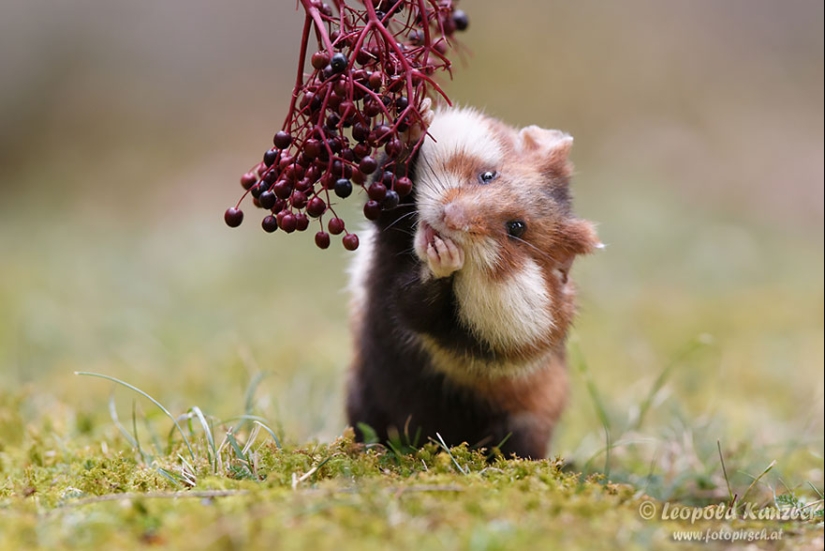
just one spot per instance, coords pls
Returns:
(444, 257)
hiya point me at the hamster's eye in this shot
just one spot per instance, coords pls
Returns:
(487, 176)
(516, 228)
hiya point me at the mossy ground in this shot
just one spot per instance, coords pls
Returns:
(337, 496)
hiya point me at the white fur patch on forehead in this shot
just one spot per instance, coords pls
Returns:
(511, 313)
(463, 132)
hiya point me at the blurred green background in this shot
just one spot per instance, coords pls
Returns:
(124, 127)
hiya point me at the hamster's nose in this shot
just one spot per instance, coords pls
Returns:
(455, 217)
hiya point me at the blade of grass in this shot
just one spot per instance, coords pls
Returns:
(692, 346)
(255, 419)
(134, 428)
(758, 478)
(725, 472)
(253, 435)
(447, 449)
(601, 412)
(235, 446)
(116, 420)
(171, 477)
(148, 397)
(249, 398)
(212, 451)
(271, 433)
(245, 463)
(296, 480)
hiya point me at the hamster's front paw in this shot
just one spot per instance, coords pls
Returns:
(444, 257)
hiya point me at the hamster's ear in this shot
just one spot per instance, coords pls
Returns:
(551, 148)
(579, 236)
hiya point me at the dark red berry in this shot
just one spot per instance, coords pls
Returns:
(288, 223)
(285, 161)
(350, 242)
(403, 186)
(316, 207)
(376, 80)
(380, 134)
(341, 87)
(267, 199)
(313, 173)
(301, 221)
(270, 156)
(377, 191)
(394, 148)
(360, 132)
(269, 224)
(282, 189)
(258, 188)
(293, 172)
(282, 140)
(390, 201)
(372, 108)
(322, 240)
(343, 188)
(312, 148)
(367, 165)
(372, 210)
(248, 180)
(358, 177)
(347, 155)
(333, 120)
(346, 108)
(328, 180)
(298, 200)
(271, 176)
(319, 60)
(305, 184)
(233, 217)
(363, 57)
(361, 150)
(461, 20)
(336, 226)
(339, 63)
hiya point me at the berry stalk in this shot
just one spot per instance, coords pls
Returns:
(362, 103)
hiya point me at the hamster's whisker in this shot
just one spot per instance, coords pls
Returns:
(432, 173)
(399, 219)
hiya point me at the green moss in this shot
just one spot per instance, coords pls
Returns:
(340, 495)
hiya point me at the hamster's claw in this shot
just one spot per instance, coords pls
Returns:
(444, 257)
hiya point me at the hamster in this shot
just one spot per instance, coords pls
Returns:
(461, 296)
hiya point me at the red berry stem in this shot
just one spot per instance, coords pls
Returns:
(352, 111)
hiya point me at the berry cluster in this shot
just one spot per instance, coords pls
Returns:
(364, 100)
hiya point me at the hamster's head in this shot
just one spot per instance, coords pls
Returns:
(501, 195)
